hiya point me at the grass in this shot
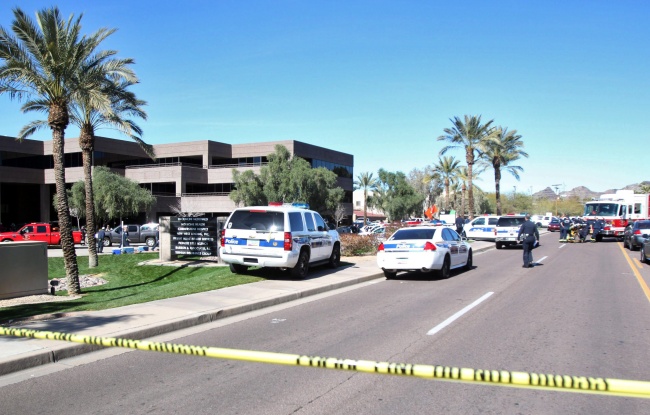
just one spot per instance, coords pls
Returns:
(128, 283)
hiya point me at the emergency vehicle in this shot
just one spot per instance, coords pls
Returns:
(618, 210)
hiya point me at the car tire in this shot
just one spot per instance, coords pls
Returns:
(302, 266)
(238, 268)
(335, 257)
(390, 275)
(469, 264)
(499, 245)
(642, 256)
(150, 241)
(445, 271)
(107, 241)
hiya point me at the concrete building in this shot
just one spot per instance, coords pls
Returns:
(195, 176)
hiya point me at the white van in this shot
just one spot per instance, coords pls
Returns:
(278, 236)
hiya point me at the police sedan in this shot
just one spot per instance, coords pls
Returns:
(425, 249)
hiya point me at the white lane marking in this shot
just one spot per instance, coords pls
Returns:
(562, 246)
(458, 314)
(541, 259)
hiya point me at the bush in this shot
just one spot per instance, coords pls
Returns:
(355, 245)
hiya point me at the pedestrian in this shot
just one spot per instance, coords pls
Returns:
(528, 235)
(155, 245)
(565, 225)
(460, 222)
(99, 238)
(599, 225)
(125, 236)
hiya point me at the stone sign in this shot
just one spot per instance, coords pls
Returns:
(194, 236)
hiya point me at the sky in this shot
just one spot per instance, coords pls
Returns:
(381, 80)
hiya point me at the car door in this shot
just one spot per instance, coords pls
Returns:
(315, 238)
(325, 240)
(452, 240)
(475, 228)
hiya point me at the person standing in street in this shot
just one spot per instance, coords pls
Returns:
(99, 238)
(565, 225)
(528, 234)
(460, 222)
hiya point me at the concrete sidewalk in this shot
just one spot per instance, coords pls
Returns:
(141, 321)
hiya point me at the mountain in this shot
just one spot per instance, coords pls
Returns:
(584, 193)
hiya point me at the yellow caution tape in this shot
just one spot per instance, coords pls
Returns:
(560, 383)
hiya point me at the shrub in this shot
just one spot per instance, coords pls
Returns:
(356, 245)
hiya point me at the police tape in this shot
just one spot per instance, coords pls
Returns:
(560, 383)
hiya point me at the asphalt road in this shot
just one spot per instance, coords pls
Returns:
(580, 311)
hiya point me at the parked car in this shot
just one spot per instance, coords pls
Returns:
(136, 234)
(635, 234)
(424, 249)
(645, 251)
(507, 230)
(481, 228)
(554, 225)
(344, 229)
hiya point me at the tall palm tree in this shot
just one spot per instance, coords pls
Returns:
(447, 168)
(367, 182)
(504, 148)
(46, 63)
(470, 135)
(463, 176)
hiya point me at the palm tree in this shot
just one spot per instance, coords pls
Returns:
(366, 182)
(447, 168)
(504, 148)
(47, 63)
(471, 135)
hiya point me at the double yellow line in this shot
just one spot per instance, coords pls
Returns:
(636, 266)
(540, 381)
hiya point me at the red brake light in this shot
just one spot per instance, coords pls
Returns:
(380, 247)
(288, 241)
(428, 246)
(223, 238)
(637, 232)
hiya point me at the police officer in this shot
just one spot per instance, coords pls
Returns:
(565, 225)
(99, 238)
(460, 222)
(528, 234)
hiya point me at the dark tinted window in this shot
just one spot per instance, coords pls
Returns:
(320, 223)
(642, 225)
(413, 234)
(309, 220)
(257, 220)
(295, 219)
(510, 221)
(40, 229)
(492, 221)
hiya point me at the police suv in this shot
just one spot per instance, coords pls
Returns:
(507, 230)
(286, 236)
(481, 228)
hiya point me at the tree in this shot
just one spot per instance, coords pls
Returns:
(447, 168)
(116, 196)
(46, 63)
(396, 196)
(470, 135)
(366, 182)
(505, 148)
(287, 179)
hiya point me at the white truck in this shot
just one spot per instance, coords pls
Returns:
(618, 210)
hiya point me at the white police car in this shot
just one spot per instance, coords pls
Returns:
(507, 230)
(288, 236)
(481, 228)
(424, 249)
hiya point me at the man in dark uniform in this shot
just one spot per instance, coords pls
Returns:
(460, 222)
(565, 225)
(99, 239)
(528, 234)
(599, 224)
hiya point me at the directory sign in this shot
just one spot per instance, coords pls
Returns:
(194, 236)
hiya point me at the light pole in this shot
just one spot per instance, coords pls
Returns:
(557, 196)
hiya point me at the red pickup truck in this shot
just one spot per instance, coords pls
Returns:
(43, 232)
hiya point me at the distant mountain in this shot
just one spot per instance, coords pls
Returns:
(584, 193)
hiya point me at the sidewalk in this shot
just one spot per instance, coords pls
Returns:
(141, 321)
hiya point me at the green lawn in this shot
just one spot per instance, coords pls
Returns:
(129, 283)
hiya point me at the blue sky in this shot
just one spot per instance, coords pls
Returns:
(382, 79)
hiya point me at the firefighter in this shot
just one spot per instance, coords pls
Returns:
(599, 225)
(565, 225)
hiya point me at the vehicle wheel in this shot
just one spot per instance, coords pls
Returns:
(150, 241)
(302, 266)
(107, 241)
(468, 265)
(632, 246)
(238, 269)
(390, 274)
(599, 238)
(445, 271)
(335, 258)
(499, 245)
(643, 258)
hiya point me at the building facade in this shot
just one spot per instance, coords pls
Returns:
(191, 176)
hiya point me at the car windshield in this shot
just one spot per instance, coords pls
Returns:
(601, 209)
(403, 234)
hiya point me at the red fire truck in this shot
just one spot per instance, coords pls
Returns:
(618, 210)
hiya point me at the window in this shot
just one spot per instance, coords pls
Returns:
(479, 221)
(260, 221)
(309, 219)
(414, 234)
(637, 208)
(40, 229)
(295, 220)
